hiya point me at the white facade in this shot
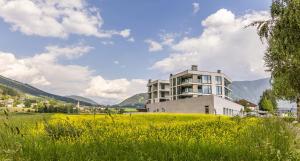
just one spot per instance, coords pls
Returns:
(158, 91)
(194, 83)
(209, 104)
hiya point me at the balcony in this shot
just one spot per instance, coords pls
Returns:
(165, 89)
(186, 81)
(186, 91)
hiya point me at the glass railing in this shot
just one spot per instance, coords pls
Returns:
(186, 81)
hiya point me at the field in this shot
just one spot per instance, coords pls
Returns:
(145, 137)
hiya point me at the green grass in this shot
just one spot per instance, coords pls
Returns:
(147, 137)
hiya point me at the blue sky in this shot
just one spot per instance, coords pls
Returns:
(117, 60)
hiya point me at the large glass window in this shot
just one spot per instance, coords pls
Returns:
(218, 80)
(227, 93)
(206, 79)
(206, 89)
(219, 90)
(227, 83)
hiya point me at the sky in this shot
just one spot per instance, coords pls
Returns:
(107, 50)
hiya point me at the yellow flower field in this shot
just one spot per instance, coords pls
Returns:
(145, 137)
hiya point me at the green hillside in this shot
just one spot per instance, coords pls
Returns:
(138, 100)
(28, 89)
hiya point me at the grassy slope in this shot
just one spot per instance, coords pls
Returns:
(145, 137)
(28, 89)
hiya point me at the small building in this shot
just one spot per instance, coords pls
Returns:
(158, 91)
(10, 103)
(21, 105)
(248, 104)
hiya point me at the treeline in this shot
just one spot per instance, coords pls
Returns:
(53, 106)
(8, 91)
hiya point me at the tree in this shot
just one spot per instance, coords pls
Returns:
(282, 34)
(268, 101)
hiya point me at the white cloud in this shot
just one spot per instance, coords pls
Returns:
(153, 45)
(224, 44)
(125, 33)
(44, 71)
(196, 7)
(115, 89)
(131, 39)
(168, 39)
(116, 62)
(55, 18)
(107, 42)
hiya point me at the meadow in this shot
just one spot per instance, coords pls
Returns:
(146, 137)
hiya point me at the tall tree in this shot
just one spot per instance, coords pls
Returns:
(282, 33)
(268, 101)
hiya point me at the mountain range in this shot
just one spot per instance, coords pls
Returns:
(249, 90)
(28, 89)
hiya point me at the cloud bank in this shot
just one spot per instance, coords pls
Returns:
(44, 71)
(55, 18)
(224, 44)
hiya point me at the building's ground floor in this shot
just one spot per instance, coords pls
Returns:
(209, 104)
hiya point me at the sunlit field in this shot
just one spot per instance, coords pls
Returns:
(145, 137)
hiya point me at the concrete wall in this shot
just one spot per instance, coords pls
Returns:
(220, 104)
(188, 105)
(215, 104)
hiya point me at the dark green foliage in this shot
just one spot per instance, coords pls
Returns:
(268, 101)
(54, 106)
(282, 58)
(4, 90)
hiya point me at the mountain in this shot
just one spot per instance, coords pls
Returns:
(28, 89)
(83, 99)
(138, 100)
(249, 90)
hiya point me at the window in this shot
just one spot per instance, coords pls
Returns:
(174, 81)
(186, 90)
(199, 89)
(199, 78)
(174, 91)
(206, 89)
(224, 111)
(206, 79)
(227, 83)
(218, 80)
(227, 93)
(206, 109)
(218, 90)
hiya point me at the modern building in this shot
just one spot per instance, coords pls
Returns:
(207, 104)
(193, 91)
(158, 91)
(194, 83)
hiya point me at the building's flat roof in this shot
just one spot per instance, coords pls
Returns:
(199, 72)
(158, 81)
